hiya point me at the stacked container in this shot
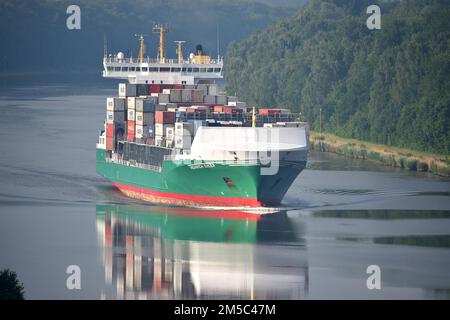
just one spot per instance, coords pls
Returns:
(164, 120)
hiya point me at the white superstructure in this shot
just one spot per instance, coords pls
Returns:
(197, 67)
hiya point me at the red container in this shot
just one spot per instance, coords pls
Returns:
(269, 112)
(131, 127)
(109, 143)
(110, 130)
(230, 109)
(165, 117)
(178, 86)
(154, 88)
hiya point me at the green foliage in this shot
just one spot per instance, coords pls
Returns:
(35, 38)
(10, 287)
(388, 86)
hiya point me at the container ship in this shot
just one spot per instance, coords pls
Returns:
(172, 137)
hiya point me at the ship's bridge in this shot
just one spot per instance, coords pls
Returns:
(147, 70)
(198, 67)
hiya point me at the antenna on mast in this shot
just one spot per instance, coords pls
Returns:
(105, 45)
(218, 47)
(180, 50)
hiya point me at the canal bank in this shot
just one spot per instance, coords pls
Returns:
(390, 156)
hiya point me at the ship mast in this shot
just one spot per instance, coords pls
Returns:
(159, 28)
(180, 50)
(141, 46)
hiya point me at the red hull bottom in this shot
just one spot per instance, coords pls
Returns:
(184, 199)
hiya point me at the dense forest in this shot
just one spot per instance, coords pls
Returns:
(388, 86)
(35, 37)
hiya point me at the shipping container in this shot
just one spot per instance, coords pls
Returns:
(164, 98)
(170, 133)
(184, 128)
(210, 99)
(131, 130)
(115, 116)
(115, 104)
(131, 115)
(213, 89)
(131, 103)
(146, 104)
(145, 118)
(154, 88)
(160, 129)
(221, 100)
(109, 143)
(218, 108)
(141, 131)
(159, 140)
(109, 129)
(231, 109)
(165, 117)
(169, 143)
(142, 90)
(183, 142)
(175, 95)
(127, 90)
(161, 107)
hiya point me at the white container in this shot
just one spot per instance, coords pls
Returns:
(131, 103)
(160, 129)
(183, 142)
(213, 89)
(159, 140)
(184, 128)
(141, 131)
(131, 115)
(170, 133)
(115, 104)
(169, 143)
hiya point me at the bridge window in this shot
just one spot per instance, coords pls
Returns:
(202, 69)
(189, 69)
(138, 69)
(109, 68)
(217, 69)
(164, 69)
(144, 69)
(194, 69)
(183, 69)
(153, 69)
(124, 69)
(175, 69)
(210, 69)
(117, 69)
(132, 68)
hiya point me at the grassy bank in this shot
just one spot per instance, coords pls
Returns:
(386, 155)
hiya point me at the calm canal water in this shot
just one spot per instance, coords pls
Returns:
(338, 218)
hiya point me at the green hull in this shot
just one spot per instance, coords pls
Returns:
(195, 183)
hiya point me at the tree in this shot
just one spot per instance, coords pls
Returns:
(10, 287)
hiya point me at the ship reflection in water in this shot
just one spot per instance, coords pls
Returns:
(176, 253)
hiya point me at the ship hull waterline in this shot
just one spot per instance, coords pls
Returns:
(197, 185)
